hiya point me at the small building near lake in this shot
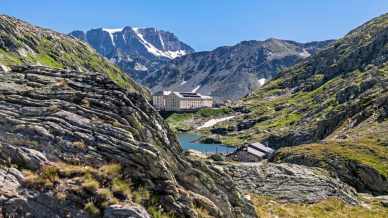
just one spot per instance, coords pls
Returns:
(180, 101)
(251, 152)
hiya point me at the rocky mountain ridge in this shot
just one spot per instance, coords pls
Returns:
(332, 108)
(23, 43)
(230, 72)
(135, 50)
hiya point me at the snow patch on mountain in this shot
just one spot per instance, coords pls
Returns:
(261, 81)
(183, 82)
(175, 54)
(155, 51)
(196, 88)
(111, 32)
(140, 67)
(161, 41)
(305, 54)
(213, 122)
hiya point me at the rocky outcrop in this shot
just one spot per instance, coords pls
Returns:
(361, 176)
(22, 156)
(289, 182)
(62, 116)
(17, 201)
(120, 211)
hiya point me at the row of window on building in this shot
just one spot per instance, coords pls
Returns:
(180, 101)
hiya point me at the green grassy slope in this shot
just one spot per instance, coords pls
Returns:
(334, 104)
(23, 43)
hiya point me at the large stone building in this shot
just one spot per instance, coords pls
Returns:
(180, 101)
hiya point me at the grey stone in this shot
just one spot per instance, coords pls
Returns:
(289, 182)
(94, 122)
(126, 211)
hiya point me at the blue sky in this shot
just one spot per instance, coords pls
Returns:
(204, 24)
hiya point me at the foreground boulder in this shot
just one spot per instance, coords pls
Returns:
(73, 124)
(289, 182)
(119, 211)
(361, 166)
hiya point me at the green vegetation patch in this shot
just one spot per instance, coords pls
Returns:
(59, 51)
(9, 58)
(47, 60)
(368, 153)
(213, 112)
(267, 207)
(184, 121)
(177, 121)
(100, 187)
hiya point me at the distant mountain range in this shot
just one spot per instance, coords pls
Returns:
(230, 72)
(135, 50)
(158, 60)
(331, 109)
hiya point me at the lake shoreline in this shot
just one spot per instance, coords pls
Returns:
(192, 141)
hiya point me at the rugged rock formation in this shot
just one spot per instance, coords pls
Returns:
(363, 176)
(335, 101)
(289, 182)
(66, 126)
(136, 50)
(118, 211)
(230, 72)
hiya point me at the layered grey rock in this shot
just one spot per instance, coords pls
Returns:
(85, 118)
(22, 156)
(18, 201)
(361, 176)
(289, 182)
(126, 211)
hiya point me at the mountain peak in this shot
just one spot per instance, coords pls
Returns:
(115, 30)
(229, 72)
(135, 49)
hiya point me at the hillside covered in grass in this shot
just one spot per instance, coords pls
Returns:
(22, 43)
(334, 104)
(269, 208)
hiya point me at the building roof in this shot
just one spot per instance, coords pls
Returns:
(261, 147)
(182, 94)
(190, 95)
(255, 152)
